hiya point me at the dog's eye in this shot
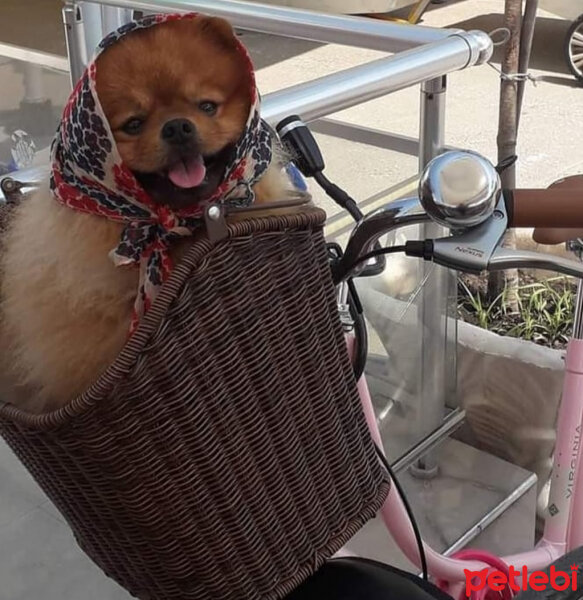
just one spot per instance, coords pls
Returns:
(133, 126)
(208, 107)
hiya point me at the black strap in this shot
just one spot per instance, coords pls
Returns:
(506, 163)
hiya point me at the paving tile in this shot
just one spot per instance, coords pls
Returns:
(39, 560)
(19, 494)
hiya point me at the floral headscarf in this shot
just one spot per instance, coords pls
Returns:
(89, 176)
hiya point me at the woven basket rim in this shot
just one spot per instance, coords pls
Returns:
(200, 250)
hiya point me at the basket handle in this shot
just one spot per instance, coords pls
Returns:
(215, 214)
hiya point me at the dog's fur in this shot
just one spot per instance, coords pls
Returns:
(65, 309)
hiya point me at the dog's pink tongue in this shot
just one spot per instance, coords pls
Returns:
(188, 173)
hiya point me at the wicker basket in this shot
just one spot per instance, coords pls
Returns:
(224, 454)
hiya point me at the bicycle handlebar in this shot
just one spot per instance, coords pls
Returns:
(479, 248)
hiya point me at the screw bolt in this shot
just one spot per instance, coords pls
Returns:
(214, 212)
(8, 185)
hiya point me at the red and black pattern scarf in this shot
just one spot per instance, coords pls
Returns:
(89, 176)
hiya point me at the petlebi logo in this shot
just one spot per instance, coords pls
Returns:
(520, 580)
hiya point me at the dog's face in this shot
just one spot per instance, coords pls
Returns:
(177, 96)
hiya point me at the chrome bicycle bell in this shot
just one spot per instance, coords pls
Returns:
(459, 189)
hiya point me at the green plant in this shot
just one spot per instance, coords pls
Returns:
(485, 313)
(544, 311)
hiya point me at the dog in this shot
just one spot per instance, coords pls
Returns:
(177, 94)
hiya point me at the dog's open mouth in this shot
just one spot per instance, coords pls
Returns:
(188, 172)
(187, 180)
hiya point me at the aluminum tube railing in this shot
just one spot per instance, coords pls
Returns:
(42, 59)
(332, 93)
(302, 24)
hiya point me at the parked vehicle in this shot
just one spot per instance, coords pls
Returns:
(573, 45)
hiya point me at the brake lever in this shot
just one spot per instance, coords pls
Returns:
(472, 250)
(480, 249)
(505, 258)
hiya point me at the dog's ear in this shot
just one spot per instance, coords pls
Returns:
(219, 29)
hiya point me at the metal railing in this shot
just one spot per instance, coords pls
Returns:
(422, 55)
(335, 92)
(301, 24)
(35, 57)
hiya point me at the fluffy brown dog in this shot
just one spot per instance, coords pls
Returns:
(176, 97)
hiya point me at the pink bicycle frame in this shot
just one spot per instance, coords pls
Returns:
(564, 524)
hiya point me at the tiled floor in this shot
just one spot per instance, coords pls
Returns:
(470, 484)
(38, 556)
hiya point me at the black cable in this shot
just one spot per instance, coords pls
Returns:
(506, 163)
(360, 331)
(301, 144)
(354, 295)
(379, 252)
(410, 514)
(342, 199)
(360, 353)
(416, 248)
(340, 275)
(339, 196)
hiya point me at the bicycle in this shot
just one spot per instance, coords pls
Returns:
(477, 214)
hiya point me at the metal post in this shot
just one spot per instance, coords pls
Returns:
(434, 301)
(75, 38)
(86, 24)
(432, 126)
(99, 21)
(112, 18)
(34, 91)
(93, 25)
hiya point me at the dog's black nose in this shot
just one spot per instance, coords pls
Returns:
(178, 131)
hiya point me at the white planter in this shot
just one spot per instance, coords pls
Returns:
(510, 388)
(344, 6)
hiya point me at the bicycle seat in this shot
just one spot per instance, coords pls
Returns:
(364, 579)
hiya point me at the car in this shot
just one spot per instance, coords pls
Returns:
(573, 44)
